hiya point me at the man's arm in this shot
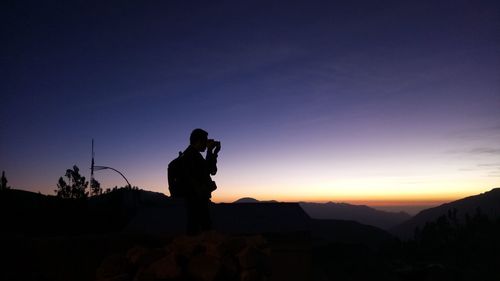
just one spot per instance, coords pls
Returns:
(211, 162)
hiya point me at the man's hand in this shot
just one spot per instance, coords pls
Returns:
(217, 147)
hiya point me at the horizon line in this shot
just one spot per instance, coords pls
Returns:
(403, 200)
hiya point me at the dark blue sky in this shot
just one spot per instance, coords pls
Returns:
(311, 99)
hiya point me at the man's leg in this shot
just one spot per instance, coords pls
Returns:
(192, 224)
(205, 218)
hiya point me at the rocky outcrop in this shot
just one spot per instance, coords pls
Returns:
(210, 256)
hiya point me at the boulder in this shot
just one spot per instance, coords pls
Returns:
(233, 245)
(213, 236)
(140, 256)
(257, 241)
(112, 266)
(164, 268)
(251, 257)
(204, 267)
(210, 256)
(229, 268)
(184, 245)
(252, 275)
(120, 277)
(135, 254)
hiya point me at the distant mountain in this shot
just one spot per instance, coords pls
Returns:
(140, 211)
(342, 211)
(360, 213)
(247, 200)
(487, 203)
(256, 217)
(226, 217)
(253, 200)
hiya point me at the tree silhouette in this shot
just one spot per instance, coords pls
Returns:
(95, 187)
(76, 187)
(3, 182)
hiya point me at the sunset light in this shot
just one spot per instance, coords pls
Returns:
(256, 140)
(305, 112)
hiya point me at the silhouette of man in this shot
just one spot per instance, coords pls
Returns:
(199, 184)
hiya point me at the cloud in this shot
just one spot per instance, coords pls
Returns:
(467, 169)
(475, 133)
(489, 165)
(485, 150)
(477, 151)
(494, 171)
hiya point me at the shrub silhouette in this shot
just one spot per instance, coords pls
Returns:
(3, 182)
(467, 247)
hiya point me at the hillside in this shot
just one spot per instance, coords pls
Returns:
(130, 232)
(58, 239)
(28, 213)
(360, 213)
(487, 203)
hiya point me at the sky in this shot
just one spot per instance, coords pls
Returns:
(388, 102)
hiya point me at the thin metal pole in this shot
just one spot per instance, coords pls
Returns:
(105, 167)
(92, 169)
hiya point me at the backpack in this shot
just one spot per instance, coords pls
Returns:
(176, 177)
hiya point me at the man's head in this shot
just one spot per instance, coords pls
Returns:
(198, 139)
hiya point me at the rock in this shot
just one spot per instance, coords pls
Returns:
(252, 275)
(135, 254)
(164, 268)
(213, 237)
(139, 256)
(112, 266)
(251, 257)
(211, 242)
(121, 277)
(257, 241)
(185, 246)
(229, 268)
(233, 245)
(207, 257)
(204, 267)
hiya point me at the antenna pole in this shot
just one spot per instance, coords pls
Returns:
(92, 169)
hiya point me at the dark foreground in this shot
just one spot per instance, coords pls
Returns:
(132, 235)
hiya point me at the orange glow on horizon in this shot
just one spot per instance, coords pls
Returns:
(378, 200)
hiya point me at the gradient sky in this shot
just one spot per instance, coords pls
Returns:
(312, 100)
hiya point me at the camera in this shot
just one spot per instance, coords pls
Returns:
(211, 143)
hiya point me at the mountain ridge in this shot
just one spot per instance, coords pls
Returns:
(344, 211)
(487, 203)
